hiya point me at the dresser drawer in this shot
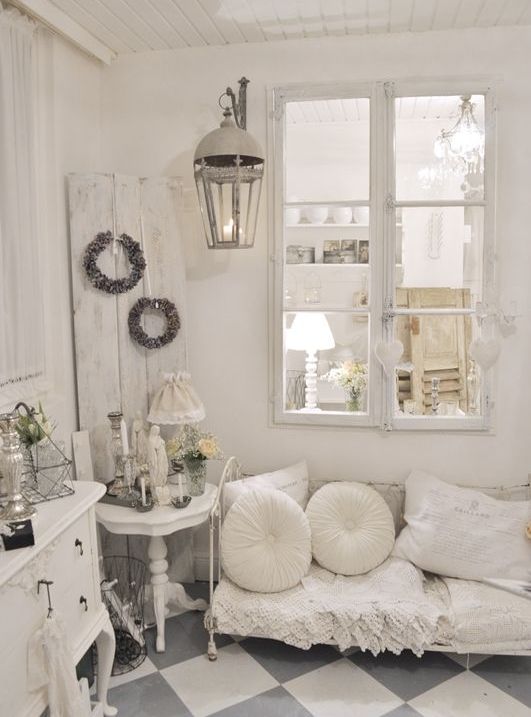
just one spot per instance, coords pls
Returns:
(77, 607)
(73, 555)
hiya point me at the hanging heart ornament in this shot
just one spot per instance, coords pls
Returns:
(388, 354)
(485, 353)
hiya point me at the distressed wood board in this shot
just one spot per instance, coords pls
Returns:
(113, 371)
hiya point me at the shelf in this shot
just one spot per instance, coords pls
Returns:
(328, 225)
(321, 263)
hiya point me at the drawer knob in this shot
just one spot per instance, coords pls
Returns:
(83, 601)
(79, 544)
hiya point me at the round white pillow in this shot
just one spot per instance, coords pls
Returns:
(352, 528)
(266, 542)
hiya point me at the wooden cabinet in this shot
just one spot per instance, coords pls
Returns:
(65, 552)
(436, 345)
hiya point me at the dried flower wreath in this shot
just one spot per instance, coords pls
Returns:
(173, 322)
(100, 280)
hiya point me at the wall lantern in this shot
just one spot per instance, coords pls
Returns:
(228, 171)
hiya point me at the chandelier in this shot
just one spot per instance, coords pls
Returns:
(461, 149)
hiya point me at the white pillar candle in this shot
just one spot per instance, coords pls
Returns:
(143, 489)
(125, 439)
(180, 487)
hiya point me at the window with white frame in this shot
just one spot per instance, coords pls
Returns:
(383, 219)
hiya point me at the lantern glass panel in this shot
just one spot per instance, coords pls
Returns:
(229, 199)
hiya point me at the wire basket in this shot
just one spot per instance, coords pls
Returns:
(123, 594)
(47, 472)
(295, 390)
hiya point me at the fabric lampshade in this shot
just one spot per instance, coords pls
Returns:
(311, 332)
(176, 402)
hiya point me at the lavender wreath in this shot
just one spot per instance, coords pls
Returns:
(100, 280)
(173, 322)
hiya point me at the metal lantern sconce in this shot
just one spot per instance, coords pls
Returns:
(228, 171)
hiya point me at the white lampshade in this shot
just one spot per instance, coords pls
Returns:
(311, 332)
(176, 402)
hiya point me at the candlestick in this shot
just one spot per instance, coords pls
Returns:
(180, 487)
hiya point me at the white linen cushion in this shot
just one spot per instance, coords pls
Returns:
(462, 533)
(266, 542)
(352, 528)
(292, 480)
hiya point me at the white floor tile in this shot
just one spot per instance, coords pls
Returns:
(473, 660)
(146, 668)
(467, 695)
(206, 687)
(342, 688)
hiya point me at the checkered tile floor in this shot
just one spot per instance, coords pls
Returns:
(262, 678)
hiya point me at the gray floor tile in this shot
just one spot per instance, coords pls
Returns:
(150, 695)
(407, 675)
(186, 637)
(403, 711)
(285, 662)
(509, 673)
(273, 703)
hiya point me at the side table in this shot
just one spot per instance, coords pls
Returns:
(157, 523)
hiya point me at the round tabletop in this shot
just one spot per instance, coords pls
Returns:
(162, 520)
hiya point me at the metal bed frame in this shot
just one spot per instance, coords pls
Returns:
(231, 472)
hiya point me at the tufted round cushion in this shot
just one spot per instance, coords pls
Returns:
(352, 528)
(266, 542)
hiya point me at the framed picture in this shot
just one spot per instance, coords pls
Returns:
(363, 251)
(331, 245)
(349, 251)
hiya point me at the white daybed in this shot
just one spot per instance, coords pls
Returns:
(394, 607)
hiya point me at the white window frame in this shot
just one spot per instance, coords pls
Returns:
(383, 205)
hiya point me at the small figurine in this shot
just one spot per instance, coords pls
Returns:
(139, 439)
(157, 459)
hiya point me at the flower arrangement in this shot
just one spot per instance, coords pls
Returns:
(352, 376)
(33, 428)
(193, 444)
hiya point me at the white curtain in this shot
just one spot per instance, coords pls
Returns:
(22, 355)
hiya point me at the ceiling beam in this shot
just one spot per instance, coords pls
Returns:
(58, 21)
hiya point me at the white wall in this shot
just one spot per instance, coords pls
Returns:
(69, 126)
(156, 106)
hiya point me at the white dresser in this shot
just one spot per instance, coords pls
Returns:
(66, 553)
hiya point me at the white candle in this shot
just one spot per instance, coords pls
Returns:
(180, 487)
(125, 439)
(227, 231)
(143, 489)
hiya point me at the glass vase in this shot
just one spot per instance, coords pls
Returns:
(196, 469)
(354, 402)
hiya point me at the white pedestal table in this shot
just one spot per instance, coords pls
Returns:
(157, 523)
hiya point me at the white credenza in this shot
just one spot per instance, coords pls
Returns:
(66, 553)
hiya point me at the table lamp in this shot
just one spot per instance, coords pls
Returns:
(176, 402)
(310, 332)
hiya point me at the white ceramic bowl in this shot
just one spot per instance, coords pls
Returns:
(317, 215)
(342, 215)
(293, 215)
(361, 215)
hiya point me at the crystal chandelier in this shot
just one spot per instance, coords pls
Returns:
(461, 149)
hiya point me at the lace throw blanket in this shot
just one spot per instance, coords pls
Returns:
(386, 609)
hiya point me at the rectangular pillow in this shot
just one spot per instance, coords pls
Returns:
(462, 533)
(292, 480)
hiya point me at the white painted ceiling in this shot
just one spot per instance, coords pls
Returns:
(126, 26)
(352, 110)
